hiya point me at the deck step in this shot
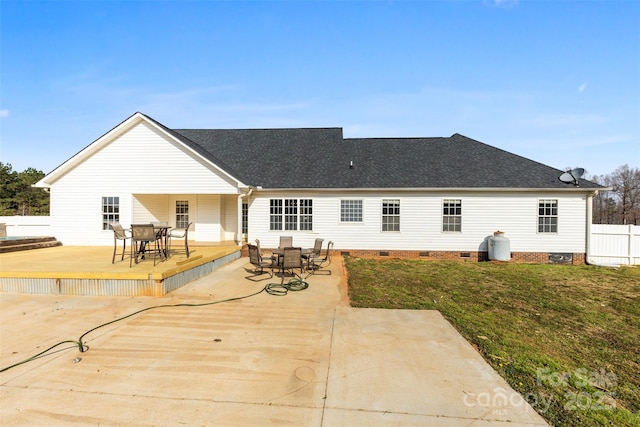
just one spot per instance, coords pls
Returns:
(28, 244)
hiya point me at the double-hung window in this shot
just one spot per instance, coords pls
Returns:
(390, 215)
(182, 213)
(547, 216)
(452, 215)
(110, 211)
(291, 214)
(350, 210)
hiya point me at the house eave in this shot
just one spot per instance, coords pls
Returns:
(437, 189)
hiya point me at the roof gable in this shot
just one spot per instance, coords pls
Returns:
(121, 129)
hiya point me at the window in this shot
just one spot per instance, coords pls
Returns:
(391, 215)
(306, 217)
(182, 213)
(245, 217)
(110, 211)
(547, 216)
(292, 214)
(452, 215)
(275, 214)
(350, 210)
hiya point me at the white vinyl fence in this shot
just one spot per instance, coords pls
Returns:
(27, 226)
(615, 244)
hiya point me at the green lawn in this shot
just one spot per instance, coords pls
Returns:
(566, 337)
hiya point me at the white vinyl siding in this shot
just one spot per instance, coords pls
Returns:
(141, 164)
(484, 213)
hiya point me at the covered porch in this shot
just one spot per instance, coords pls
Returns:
(215, 218)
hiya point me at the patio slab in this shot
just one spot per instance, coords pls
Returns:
(306, 358)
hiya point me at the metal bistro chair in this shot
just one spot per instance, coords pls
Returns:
(181, 233)
(315, 252)
(119, 233)
(316, 263)
(258, 262)
(142, 237)
(291, 260)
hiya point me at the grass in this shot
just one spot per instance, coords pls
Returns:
(567, 338)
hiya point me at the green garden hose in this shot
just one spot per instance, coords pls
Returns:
(277, 289)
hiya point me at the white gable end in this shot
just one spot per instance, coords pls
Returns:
(138, 164)
(143, 160)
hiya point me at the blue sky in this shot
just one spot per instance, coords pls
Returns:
(555, 81)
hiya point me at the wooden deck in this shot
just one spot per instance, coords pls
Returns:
(87, 270)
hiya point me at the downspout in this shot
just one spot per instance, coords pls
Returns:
(587, 258)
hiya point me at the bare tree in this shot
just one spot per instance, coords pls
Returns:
(621, 205)
(626, 186)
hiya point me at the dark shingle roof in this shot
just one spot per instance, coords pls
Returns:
(321, 158)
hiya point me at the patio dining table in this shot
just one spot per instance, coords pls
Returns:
(279, 253)
(162, 232)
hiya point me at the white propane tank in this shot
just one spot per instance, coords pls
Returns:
(499, 247)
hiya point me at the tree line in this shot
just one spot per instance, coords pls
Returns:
(620, 205)
(17, 196)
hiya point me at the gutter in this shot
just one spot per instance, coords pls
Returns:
(587, 258)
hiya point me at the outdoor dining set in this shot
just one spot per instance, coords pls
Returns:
(146, 240)
(289, 258)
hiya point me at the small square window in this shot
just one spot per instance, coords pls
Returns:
(350, 210)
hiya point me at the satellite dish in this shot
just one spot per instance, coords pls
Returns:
(572, 176)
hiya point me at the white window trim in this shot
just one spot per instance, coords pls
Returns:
(442, 215)
(557, 216)
(340, 221)
(382, 215)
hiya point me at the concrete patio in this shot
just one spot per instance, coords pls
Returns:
(304, 359)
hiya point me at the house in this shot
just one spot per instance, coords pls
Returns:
(440, 197)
